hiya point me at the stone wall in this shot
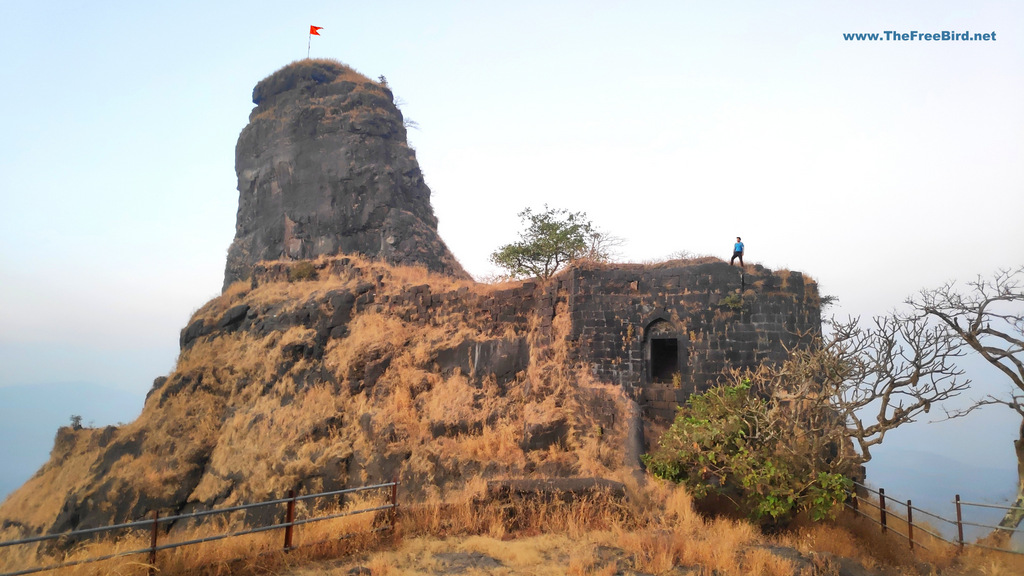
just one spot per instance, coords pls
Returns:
(664, 332)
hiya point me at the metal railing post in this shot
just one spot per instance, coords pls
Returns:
(387, 511)
(152, 542)
(152, 523)
(881, 508)
(959, 526)
(910, 524)
(289, 520)
(394, 504)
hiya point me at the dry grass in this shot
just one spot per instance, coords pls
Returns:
(673, 261)
(652, 531)
(656, 527)
(988, 563)
(259, 553)
(264, 425)
(254, 422)
(852, 536)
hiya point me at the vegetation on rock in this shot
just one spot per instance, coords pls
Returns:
(331, 383)
(728, 442)
(552, 239)
(303, 270)
(783, 438)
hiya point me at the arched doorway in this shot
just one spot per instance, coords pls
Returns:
(664, 354)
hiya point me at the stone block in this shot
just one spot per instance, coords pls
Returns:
(539, 435)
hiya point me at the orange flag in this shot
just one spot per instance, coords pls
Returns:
(313, 30)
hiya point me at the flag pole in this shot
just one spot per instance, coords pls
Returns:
(309, 42)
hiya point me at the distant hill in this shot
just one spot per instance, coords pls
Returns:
(31, 414)
(932, 480)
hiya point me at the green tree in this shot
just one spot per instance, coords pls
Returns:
(552, 238)
(728, 441)
(782, 438)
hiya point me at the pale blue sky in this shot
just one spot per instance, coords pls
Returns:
(878, 168)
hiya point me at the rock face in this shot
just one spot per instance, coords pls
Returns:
(324, 168)
(348, 370)
(353, 375)
(353, 378)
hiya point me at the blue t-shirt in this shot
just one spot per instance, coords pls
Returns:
(738, 247)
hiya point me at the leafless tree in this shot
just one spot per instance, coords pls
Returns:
(988, 316)
(858, 383)
(602, 247)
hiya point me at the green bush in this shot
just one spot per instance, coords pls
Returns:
(302, 271)
(727, 442)
(732, 301)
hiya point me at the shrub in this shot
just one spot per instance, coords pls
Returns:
(732, 301)
(726, 442)
(302, 271)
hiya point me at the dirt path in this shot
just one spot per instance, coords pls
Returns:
(542, 556)
(476, 555)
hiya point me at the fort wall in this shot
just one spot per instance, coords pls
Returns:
(662, 332)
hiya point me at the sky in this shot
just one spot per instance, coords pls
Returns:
(879, 168)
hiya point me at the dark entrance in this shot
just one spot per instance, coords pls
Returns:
(664, 359)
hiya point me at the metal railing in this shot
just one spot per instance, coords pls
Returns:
(153, 525)
(884, 507)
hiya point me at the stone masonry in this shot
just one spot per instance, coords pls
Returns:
(665, 332)
(661, 331)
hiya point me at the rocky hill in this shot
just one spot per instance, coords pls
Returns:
(333, 373)
(324, 168)
(361, 372)
(349, 347)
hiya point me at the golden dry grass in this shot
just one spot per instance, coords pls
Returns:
(259, 553)
(407, 397)
(852, 536)
(267, 427)
(652, 531)
(254, 423)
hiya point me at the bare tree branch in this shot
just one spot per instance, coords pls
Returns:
(971, 316)
(988, 317)
(859, 383)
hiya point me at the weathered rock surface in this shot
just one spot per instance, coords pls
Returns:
(357, 375)
(346, 371)
(355, 378)
(324, 168)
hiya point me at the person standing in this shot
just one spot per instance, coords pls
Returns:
(737, 252)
